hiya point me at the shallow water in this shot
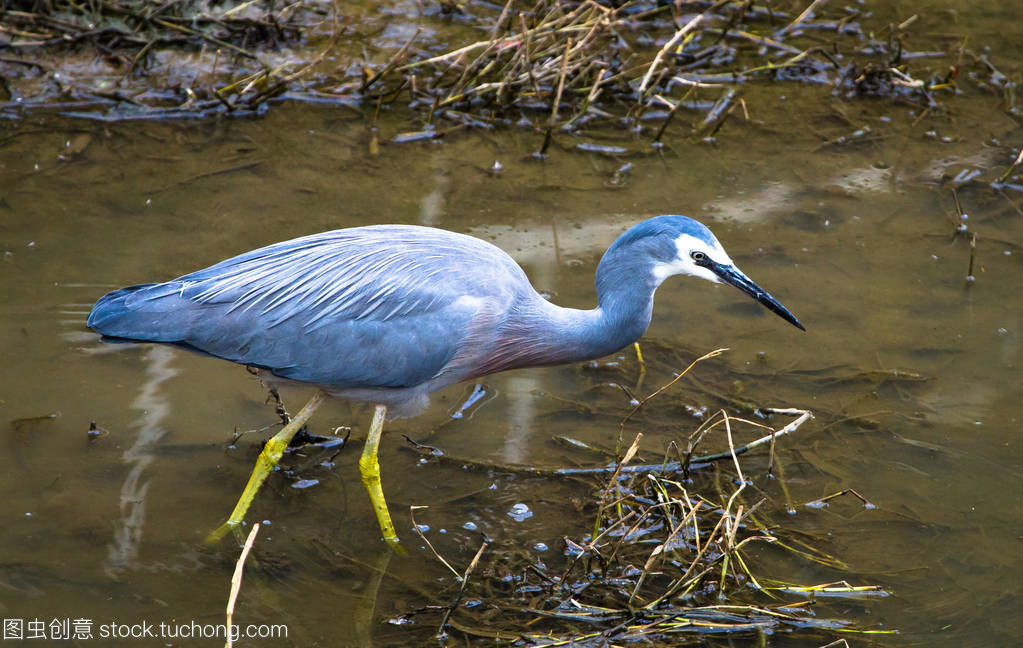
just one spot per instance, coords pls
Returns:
(856, 240)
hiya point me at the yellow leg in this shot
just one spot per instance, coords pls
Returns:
(642, 366)
(369, 468)
(268, 458)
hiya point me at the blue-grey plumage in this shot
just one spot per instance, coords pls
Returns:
(390, 313)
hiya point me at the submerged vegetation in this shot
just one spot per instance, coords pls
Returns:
(661, 561)
(548, 64)
(672, 549)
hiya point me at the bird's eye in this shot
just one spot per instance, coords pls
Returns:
(697, 256)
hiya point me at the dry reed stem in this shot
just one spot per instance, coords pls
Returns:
(236, 582)
(706, 356)
(673, 41)
(419, 532)
(800, 18)
(522, 65)
(461, 590)
(393, 62)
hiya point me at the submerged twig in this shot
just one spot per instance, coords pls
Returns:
(970, 278)
(461, 590)
(1012, 167)
(419, 532)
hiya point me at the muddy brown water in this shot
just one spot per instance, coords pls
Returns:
(856, 240)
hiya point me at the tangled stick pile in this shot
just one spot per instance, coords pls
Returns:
(561, 64)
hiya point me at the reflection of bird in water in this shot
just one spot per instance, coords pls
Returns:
(388, 314)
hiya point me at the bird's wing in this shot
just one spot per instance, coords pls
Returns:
(367, 273)
(383, 306)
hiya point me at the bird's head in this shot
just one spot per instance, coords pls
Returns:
(678, 245)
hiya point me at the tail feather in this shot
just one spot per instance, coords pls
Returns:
(142, 312)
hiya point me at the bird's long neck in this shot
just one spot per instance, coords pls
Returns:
(625, 300)
(548, 334)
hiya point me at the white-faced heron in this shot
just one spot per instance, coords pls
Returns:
(390, 313)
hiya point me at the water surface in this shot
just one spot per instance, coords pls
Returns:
(913, 371)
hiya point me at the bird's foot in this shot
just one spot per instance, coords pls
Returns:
(305, 437)
(269, 456)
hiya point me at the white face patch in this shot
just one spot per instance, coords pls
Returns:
(683, 263)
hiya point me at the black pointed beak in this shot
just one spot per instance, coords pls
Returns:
(732, 276)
